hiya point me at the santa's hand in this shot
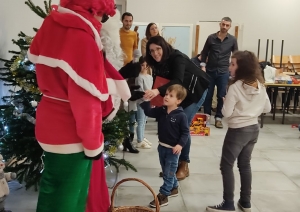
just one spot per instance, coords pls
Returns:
(135, 95)
(134, 87)
(97, 157)
(130, 70)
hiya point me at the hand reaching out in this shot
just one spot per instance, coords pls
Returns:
(177, 149)
(150, 94)
(135, 95)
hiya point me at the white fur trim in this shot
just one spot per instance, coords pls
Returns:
(116, 100)
(110, 37)
(96, 33)
(93, 153)
(85, 84)
(55, 98)
(70, 149)
(118, 88)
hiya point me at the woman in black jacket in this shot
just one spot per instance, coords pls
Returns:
(172, 64)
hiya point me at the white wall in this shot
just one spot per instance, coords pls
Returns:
(264, 19)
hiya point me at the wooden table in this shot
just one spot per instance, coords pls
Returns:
(286, 87)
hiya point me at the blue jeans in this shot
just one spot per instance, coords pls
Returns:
(132, 120)
(169, 164)
(141, 121)
(190, 112)
(219, 79)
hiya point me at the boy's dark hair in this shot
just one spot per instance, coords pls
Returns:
(142, 60)
(248, 69)
(180, 91)
(126, 14)
(167, 49)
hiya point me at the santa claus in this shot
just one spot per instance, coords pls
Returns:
(77, 83)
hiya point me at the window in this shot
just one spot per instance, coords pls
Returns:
(121, 6)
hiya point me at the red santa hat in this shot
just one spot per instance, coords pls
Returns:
(97, 7)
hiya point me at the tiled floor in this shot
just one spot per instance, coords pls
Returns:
(275, 165)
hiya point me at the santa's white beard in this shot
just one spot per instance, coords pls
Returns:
(110, 38)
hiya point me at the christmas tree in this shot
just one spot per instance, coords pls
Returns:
(17, 117)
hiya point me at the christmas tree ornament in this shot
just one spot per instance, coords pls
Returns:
(120, 147)
(34, 103)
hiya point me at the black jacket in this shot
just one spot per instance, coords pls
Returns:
(173, 128)
(179, 69)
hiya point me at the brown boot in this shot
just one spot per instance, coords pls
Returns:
(162, 199)
(182, 171)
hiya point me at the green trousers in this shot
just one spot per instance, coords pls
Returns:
(65, 183)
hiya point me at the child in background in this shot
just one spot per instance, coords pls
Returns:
(145, 81)
(246, 99)
(173, 133)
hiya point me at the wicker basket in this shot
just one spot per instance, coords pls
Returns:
(132, 208)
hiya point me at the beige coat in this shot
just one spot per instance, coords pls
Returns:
(4, 190)
(143, 46)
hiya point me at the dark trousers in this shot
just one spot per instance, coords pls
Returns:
(238, 144)
(220, 79)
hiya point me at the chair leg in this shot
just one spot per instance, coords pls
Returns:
(296, 100)
(275, 94)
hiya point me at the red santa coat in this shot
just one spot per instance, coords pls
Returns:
(72, 75)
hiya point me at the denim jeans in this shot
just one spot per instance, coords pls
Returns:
(220, 79)
(132, 120)
(190, 112)
(238, 144)
(169, 164)
(141, 121)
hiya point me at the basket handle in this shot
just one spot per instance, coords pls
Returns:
(133, 179)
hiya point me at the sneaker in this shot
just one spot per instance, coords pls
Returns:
(143, 145)
(224, 206)
(162, 199)
(134, 143)
(147, 141)
(244, 206)
(174, 192)
(218, 124)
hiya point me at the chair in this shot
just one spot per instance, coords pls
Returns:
(295, 65)
(295, 62)
(286, 66)
(285, 62)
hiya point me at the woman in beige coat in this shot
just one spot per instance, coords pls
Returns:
(151, 31)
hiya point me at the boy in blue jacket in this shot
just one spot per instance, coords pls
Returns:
(173, 132)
